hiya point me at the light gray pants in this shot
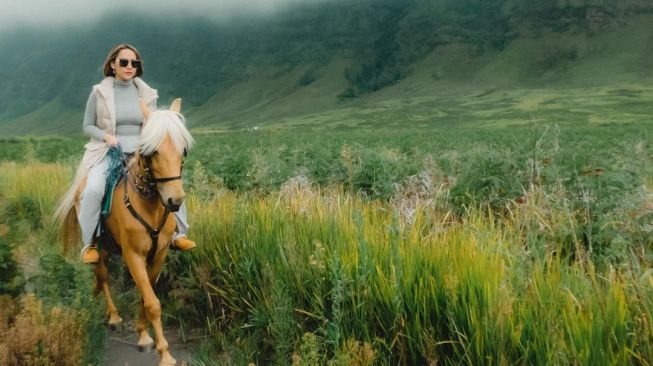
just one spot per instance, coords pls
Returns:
(91, 205)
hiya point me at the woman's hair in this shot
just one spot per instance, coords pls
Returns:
(108, 71)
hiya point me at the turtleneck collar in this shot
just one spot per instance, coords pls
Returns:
(123, 84)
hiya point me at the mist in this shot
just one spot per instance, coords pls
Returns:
(48, 13)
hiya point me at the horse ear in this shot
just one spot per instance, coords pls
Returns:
(176, 105)
(146, 111)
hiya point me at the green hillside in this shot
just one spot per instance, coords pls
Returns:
(367, 63)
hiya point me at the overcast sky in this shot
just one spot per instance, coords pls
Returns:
(56, 12)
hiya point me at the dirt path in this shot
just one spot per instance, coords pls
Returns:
(121, 350)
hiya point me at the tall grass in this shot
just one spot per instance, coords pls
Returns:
(489, 255)
(598, 172)
(471, 290)
(33, 188)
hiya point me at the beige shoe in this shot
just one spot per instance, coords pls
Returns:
(183, 243)
(90, 255)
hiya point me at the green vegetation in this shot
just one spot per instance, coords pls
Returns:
(429, 182)
(10, 280)
(524, 243)
(597, 169)
(51, 302)
(417, 273)
(322, 265)
(325, 58)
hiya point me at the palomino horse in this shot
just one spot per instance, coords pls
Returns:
(139, 222)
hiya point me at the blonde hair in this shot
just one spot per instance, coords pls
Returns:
(111, 57)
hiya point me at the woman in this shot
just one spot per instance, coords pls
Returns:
(113, 116)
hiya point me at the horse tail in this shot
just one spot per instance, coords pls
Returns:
(65, 216)
(70, 235)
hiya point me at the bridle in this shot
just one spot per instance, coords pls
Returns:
(148, 190)
(146, 184)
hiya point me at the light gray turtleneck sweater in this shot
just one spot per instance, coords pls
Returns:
(128, 116)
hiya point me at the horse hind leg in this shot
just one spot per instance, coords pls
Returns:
(102, 285)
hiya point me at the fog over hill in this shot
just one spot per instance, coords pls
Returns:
(272, 58)
(67, 12)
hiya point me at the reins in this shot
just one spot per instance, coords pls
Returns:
(148, 191)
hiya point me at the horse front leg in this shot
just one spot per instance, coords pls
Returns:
(145, 342)
(102, 285)
(151, 304)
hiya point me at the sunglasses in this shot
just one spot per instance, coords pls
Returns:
(135, 63)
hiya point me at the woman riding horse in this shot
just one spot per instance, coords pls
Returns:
(139, 227)
(113, 116)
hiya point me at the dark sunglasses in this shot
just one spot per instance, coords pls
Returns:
(135, 63)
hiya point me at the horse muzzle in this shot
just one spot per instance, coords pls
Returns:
(174, 204)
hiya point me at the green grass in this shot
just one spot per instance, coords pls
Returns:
(486, 108)
(491, 244)
(470, 291)
(602, 171)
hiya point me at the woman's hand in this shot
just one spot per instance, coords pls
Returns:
(110, 140)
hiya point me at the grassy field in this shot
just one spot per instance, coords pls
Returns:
(495, 242)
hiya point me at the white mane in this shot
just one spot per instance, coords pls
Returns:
(159, 124)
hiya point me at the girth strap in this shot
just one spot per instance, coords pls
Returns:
(154, 233)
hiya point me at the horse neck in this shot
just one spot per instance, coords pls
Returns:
(144, 209)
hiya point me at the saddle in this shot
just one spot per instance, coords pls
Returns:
(116, 173)
(118, 163)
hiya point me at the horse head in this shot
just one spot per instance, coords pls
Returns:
(164, 142)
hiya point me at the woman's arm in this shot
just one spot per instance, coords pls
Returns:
(90, 128)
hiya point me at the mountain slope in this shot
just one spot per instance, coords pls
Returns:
(322, 63)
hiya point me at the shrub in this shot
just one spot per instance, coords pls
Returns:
(11, 281)
(35, 336)
(307, 78)
(491, 178)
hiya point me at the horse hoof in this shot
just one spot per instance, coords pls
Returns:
(169, 362)
(167, 359)
(146, 348)
(116, 327)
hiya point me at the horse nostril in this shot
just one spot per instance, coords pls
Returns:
(173, 205)
(175, 201)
